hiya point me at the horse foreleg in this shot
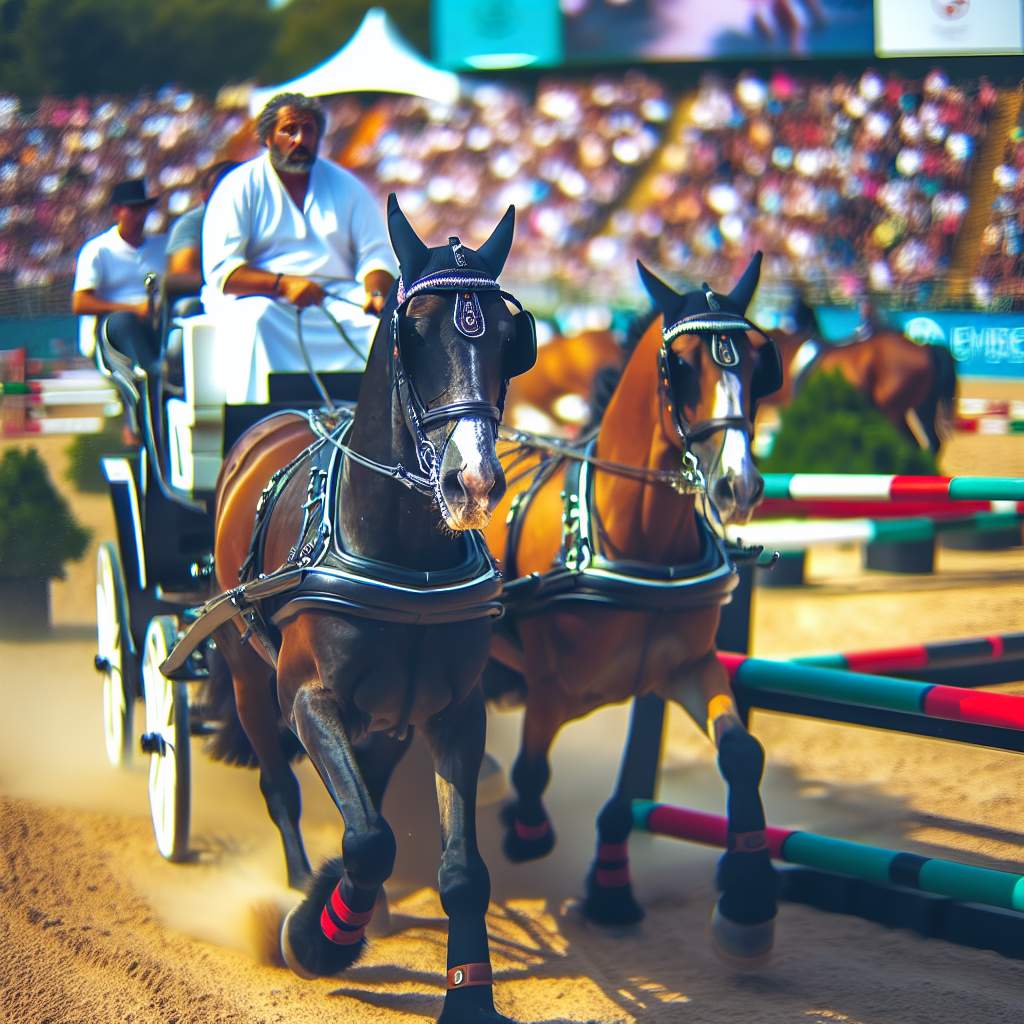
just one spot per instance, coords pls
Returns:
(377, 757)
(260, 718)
(528, 830)
(743, 922)
(610, 898)
(324, 934)
(456, 739)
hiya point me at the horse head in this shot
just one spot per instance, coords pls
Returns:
(715, 365)
(457, 340)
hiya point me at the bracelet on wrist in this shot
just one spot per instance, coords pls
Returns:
(277, 284)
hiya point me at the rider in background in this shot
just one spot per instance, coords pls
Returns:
(110, 291)
(184, 276)
(869, 324)
(287, 232)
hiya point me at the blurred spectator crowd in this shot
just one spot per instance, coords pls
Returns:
(859, 184)
(1001, 270)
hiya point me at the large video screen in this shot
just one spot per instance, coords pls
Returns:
(547, 33)
(674, 30)
(931, 28)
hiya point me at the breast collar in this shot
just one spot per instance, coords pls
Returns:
(319, 573)
(582, 573)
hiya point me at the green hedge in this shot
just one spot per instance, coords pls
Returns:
(84, 454)
(38, 532)
(830, 427)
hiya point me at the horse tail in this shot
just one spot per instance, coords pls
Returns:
(936, 412)
(227, 742)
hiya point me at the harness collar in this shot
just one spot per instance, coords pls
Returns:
(583, 573)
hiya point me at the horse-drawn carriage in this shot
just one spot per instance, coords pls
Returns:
(151, 580)
(365, 620)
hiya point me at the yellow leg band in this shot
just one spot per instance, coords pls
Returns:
(719, 707)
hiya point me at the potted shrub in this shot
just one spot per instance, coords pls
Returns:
(38, 535)
(830, 427)
(84, 454)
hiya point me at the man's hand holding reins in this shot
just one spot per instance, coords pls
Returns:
(300, 291)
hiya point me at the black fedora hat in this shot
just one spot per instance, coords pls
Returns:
(131, 193)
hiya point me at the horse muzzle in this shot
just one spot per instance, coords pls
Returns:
(472, 481)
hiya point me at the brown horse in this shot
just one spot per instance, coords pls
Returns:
(566, 367)
(903, 380)
(632, 605)
(369, 606)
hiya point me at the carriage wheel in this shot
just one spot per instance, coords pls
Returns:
(114, 655)
(167, 742)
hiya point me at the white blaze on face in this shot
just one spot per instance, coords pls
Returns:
(474, 439)
(736, 445)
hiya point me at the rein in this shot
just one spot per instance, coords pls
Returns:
(687, 480)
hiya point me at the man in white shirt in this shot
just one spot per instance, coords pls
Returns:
(283, 234)
(110, 279)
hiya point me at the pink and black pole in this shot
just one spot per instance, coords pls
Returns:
(929, 709)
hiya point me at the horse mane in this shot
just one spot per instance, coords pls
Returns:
(608, 377)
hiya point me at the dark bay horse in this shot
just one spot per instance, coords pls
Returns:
(901, 378)
(384, 621)
(632, 604)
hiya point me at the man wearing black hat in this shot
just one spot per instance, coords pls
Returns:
(110, 279)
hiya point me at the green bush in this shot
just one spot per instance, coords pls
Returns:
(830, 427)
(38, 533)
(84, 454)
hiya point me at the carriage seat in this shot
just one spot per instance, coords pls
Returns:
(195, 421)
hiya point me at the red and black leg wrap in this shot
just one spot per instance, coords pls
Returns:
(531, 833)
(340, 923)
(612, 868)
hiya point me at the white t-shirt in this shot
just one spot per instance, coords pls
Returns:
(116, 272)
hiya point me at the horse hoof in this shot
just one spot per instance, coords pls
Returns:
(519, 844)
(308, 953)
(291, 961)
(380, 924)
(491, 787)
(744, 947)
(607, 906)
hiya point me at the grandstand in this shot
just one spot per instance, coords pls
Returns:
(905, 187)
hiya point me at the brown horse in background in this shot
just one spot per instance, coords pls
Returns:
(552, 397)
(688, 390)
(903, 380)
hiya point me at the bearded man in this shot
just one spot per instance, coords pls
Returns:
(288, 237)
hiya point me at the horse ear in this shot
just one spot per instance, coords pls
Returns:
(747, 285)
(411, 252)
(664, 297)
(495, 250)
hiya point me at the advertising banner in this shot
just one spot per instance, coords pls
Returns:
(983, 344)
(936, 27)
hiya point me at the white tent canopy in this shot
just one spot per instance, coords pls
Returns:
(375, 59)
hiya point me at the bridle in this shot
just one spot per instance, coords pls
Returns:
(716, 325)
(469, 319)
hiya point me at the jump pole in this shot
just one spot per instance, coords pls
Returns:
(956, 713)
(969, 905)
(857, 860)
(888, 487)
(802, 534)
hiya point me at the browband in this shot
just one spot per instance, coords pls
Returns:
(700, 323)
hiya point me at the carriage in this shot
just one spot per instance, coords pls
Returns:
(152, 579)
